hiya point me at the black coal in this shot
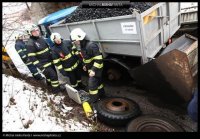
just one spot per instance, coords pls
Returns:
(83, 14)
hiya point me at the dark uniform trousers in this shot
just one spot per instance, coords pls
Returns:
(93, 60)
(95, 83)
(33, 69)
(75, 77)
(66, 59)
(51, 77)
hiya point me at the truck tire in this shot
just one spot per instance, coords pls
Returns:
(117, 111)
(153, 123)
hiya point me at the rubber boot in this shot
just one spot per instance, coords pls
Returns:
(48, 83)
(102, 93)
(56, 90)
(77, 88)
(81, 86)
(38, 77)
(62, 88)
(93, 98)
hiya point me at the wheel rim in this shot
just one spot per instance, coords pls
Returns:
(117, 104)
(153, 127)
(153, 124)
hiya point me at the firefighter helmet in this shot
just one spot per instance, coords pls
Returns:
(77, 34)
(30, 28)
(18, 35)
(55, 36)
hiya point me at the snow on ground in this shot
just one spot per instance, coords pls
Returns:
(26, 108)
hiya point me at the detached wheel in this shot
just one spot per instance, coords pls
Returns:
(117, 111)
(113, 74)
(153, 123)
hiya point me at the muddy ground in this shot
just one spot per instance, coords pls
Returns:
(149, 104)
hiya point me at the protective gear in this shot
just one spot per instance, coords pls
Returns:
(55, 36)
(30, 28)
(62, 88)
(93, 60)
(20, 47)
(84, 68)
(39, 52)
(91, 73)
(82, 87)
(18, 35)
(95, 87)
(51, 76)
(65, 58)
(40, 55)
(77, 34)
(94, 98)
(75, 78)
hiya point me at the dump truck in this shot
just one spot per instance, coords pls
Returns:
(130, 42)
(189, 21)
(53, 18)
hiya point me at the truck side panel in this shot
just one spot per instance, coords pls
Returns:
(139, 34)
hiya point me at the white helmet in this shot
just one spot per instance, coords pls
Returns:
(55, 36)
(18, 35)
(77, 34)
(30, 28)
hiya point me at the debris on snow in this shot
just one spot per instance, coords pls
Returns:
(27, 108)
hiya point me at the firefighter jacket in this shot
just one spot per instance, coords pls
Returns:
(20, 47)
(65, 56)
(39, 52)
(92, 58)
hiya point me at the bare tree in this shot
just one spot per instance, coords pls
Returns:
(14, 14)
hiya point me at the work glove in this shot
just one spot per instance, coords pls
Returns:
(91, 73)
(84, 68)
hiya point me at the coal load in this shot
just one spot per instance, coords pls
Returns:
(83, 14)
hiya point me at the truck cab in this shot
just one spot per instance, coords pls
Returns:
(53, 18)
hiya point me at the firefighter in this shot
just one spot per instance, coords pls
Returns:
(66, 59)
(40, 54)
(20, 47)
(93, 60)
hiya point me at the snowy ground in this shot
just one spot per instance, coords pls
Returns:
(26, 108)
